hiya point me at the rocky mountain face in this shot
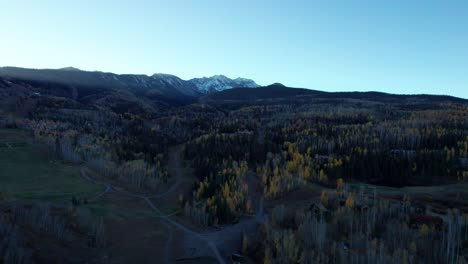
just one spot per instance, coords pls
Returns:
(161, 84)
(158, 84)
(220, 82)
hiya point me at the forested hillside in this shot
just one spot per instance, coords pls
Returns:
(322, 174)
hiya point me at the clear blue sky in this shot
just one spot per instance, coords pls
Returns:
(392, 46)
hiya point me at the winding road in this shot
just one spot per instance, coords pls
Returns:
(212, 239)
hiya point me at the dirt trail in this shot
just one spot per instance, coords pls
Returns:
(108, 187)
(175, 169)
(221, 238)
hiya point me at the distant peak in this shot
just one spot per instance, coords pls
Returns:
(69, 69)
(220, 83)
(277, 84)
(163, 75)
(219, 76)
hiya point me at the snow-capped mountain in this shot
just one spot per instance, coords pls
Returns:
(156, 86)
(220, 83)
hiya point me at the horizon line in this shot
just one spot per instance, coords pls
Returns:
(260, 86)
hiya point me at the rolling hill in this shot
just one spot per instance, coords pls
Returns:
(280, 92)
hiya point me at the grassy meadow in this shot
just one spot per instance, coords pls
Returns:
(27, 173)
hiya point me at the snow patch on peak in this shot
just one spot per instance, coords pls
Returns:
(220, 83)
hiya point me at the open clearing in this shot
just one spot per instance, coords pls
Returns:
(26, 173)
(439, 197)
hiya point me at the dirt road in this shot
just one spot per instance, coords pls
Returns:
(227, 238)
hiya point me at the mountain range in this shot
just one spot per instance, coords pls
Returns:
(220, 83)
(132, 92)
(159, 84)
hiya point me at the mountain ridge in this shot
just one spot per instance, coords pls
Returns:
(168, 88)
(218, 83)
(279, 91)
(166, 82)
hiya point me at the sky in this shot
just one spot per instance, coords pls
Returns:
(406, 47)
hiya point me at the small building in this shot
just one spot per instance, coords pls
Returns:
(322, 158)
(237, 258)
(361, 207)
(345, 246)
(419, 209)
(416, 221)
(403, 153)
(317, 208)
(341, 202)
(463, 162)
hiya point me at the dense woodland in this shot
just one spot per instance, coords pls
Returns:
(357, 228)
(289, 145)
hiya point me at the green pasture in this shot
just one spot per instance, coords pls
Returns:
(27, 173)
(113, 204)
